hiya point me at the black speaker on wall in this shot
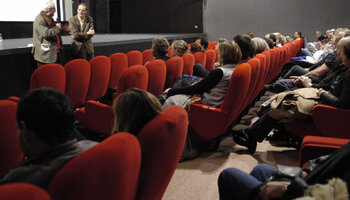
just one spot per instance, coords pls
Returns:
(106, 15)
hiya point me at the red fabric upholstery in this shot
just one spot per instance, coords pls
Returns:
(22, 191)
(156, 76)
(100, 73)
(210, 55)
(174, 69)
(162, 141)
(119, 63)
(78, 79)
(209, 122)
(189, 61)
(315, 146)
(135, 58)
(134, 77)
(97, 117)
(169, 51)
(212, 45)
(200, 58)
(108, 170)
(326, 121)
(14, 99)
(49, 75)
(264, 69)
(147, 55)
(253, 89)
(10, 150)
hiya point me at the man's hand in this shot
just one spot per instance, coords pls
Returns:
(91, 31)
(273, 189)
(166, 91)
(301, 81)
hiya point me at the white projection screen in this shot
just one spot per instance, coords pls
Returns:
(27, 10)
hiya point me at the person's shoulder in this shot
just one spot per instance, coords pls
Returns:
(72, 19)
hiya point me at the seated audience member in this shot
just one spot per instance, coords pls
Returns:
(196, 47)
(179, 48)
(258, 45)
(269, 42)
(45, 122)
(297, 35)
(338, 96)
(245, 44)
(236, 184)
(133, 109)
(274, 39)
(251, 35)
(318, 34)
(203, 42)
(160, 47)
(280, 40)
(213, 88)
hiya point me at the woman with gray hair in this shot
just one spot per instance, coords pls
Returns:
(47, 41)
(258, 45)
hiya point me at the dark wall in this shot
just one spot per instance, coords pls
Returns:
(226, 18)
(159, 16)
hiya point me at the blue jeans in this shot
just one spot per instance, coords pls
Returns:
(236, 184)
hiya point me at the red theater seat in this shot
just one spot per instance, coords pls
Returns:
(189, 61)
(135, 58)
(162, 141)
(22, 191)
(10, 150)
(200, 58)
(174, 69)
(147, 55)
(210, 59)
(109, 170)
(49, 75)
(119, 63)
(100, 73)
(209, 122)
(156, 76)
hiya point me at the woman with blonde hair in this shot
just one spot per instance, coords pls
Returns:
(179, 48)
(133, 109)
(213, 88)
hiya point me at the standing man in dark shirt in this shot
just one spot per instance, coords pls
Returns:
(82, 30)
(45, 122)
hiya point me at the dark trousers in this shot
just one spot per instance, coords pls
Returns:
(296, 70)
(83, 54)
(262, 127)
(236, 184)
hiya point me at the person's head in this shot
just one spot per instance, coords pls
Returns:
(251, 35)
(280, 39)
(229, 53)
(49, 8)
(269, 42)
(297, 35)
(179, 48)
(133, 109)
(45, 118)
(160, 47)
(330, 33)
(203, 42)
(258, 45)
(318, 34)
(344, 50)
(245, 44)
(82, 10)
(195, 47)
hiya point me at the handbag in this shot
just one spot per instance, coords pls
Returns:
(286, 173)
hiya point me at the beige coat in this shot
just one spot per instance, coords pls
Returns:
(80, 35)
(44, 41)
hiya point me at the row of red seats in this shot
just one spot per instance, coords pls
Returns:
(115, 168)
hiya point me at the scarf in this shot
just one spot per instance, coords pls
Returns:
(51, 23)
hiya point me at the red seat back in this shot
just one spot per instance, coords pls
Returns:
(162, 141)
(23, 191)
(210, 61)
(100, 73)
(189, 61)
(78, 79)
(49, 75)
(156, 76)
(200, 58)
(147, 55)
(174, 69)
(135, 58)
(134, 77)
(10, 150)
(253, 90)
(119, 63)
(108, 170)
(169, 51)
(212, 45)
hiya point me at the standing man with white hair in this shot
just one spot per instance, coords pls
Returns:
(82, 30)
(47, 41)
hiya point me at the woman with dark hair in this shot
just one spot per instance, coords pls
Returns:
(133, 109)
(160, 47)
